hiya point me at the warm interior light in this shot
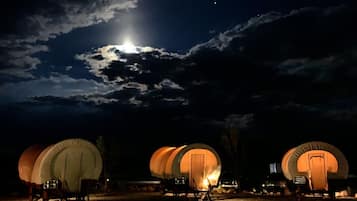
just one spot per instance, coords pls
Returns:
(212, 178)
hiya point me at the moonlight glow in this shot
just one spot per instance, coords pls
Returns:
(128, 47)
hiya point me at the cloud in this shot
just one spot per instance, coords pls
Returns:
(240, 121)
(343, 109)
(292, 106)
(17, 61)
(133, 85)
(99, 100)
(99, 60)
(306, 57)
(308, 41)
(58, 85)
(276, 74)
(222, 40)
(274, 62)
(343, 115)
(318, 69)
(181, 100)
(134, 101)
(325, 69)
(273, 56)
(68, 68)
(304, 33)
(112, 64)
(54, 18)
(145, 74)
(167, 83)
(43, 21)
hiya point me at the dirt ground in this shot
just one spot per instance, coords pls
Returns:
(155, 196)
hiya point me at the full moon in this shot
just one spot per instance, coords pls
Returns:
(128, 47)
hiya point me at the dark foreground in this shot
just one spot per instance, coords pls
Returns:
(156, 196)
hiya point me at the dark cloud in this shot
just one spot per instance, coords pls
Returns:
(56, 85)
(308, 32)
(238, 121)
(270, 67)
(294, 55)
(307, 56)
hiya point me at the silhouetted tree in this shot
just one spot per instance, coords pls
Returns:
(231, 139)
(102, 149)
(230, 143)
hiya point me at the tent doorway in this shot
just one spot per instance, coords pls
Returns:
(318, 172)
(197, 173)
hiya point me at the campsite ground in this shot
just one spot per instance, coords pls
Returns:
(156, 196)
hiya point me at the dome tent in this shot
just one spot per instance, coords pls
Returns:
(69, 161)
(317, 161)
(27, 161)
(197, 162)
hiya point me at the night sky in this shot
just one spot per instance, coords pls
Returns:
(150, 73)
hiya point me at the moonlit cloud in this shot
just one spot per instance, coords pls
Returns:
(99, 100)
(181, 100)
(227, 68)
(55, 85)
(68, 68)
(42, 24)
(99, 60)
(134, 85)
(140, 76)
(222, 40)
(19, 60)
(45, 24)
(255, 66)
(167, 83)
(134, 101)
(25, 61)
(318, 69)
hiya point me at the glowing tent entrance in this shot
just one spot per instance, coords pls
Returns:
(317, 161)
(198, 163)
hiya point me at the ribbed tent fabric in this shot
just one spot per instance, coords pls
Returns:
(27, 161)
(70, 161)
(285, 164)
(158, 161)
(35, 175)
(187, 161)
(317, 161)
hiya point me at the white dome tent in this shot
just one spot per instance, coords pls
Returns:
(198, 163)
(69, 162)
(316, 161)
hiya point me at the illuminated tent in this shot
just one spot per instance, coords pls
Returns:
(27, 160)
(69, 161)
(317, 162)
(198, 162)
